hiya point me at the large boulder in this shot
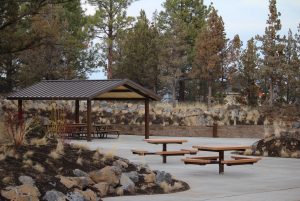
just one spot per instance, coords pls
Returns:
(75, 196)
(20, 193)
(108, 174)
(150, 178)
(80, 182)
(54, 195)
(88, 195)
(102, 188)
(121, 164)
(127, 184)
(133, 175)
(162, 176)
(26, 180)
(80, 173)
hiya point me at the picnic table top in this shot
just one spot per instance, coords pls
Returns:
(222, 148)
(165, 141)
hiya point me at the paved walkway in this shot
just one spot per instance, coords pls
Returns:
(275, 179)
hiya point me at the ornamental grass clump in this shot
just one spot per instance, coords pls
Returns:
(16, 129)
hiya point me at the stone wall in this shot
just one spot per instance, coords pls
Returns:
(238, 131)
(183, 120)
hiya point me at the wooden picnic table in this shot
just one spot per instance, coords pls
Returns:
(164, 142)
(102, 130)
(220, 159)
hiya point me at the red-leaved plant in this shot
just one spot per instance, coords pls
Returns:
(16, 129)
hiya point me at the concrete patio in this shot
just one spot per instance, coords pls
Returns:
(276, 179)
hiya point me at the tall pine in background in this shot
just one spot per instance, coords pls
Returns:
(272, 50)
(249, 72)
(137, 55)
(209, 50)
(108, 22)
(185, 19)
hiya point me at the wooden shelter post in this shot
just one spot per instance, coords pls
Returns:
(77, 111)
(88, 120)
(20, 112)
(147, 118)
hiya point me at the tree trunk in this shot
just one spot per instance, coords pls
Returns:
(181, 90)
(209, 94)
(110, 42)
(271, 91)
(174, 93)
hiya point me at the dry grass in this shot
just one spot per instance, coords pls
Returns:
(58, 151)
(7, 180)
(284, 153)
(60, 147)
(28, 154)
(28, 162)
(79, 160)
(53, 154)
(3, 138)
(96, 156)
(80, 146)
(165, 186)
(39, 141)
(2, 157)
(296, 154)
(248, 152)
(38, 167)
(177, 185)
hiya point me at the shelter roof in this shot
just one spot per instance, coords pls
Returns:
(84, 90)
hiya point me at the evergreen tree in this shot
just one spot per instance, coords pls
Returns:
(232, 61)
(138, 53)
(272, 50)
(42, 39)
(187, 17)
(108, 22)
(290, 82)
(249, 72)
(172, 57)
(209, 51)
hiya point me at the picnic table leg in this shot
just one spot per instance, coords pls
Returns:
(164, 156)
(221, 165)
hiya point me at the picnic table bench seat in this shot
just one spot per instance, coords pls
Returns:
(196, 161)
(237, 160)
(172, 153)
(191, 151)
(142, 152)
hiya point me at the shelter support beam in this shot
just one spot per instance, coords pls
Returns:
(88, 120)
(77, 111)
(20, 112)
(147, 118)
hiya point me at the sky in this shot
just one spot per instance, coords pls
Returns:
(244, 17)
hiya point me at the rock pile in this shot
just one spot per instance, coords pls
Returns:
(98, 176)
(287, 145)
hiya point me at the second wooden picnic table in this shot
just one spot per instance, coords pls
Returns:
(164, 142)
(221, 150)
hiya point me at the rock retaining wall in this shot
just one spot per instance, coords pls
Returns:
(239, 131)
(182, 120)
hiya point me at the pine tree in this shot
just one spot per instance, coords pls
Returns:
(172, 57)
(108, 22)
(232, 61)
(187, 17)
(137, 57)
(290, 82)
(249, 72)
(209, 51)
(272, 50)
